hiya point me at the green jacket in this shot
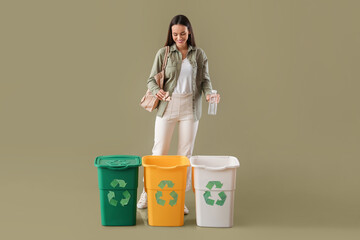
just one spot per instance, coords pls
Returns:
(201, 82)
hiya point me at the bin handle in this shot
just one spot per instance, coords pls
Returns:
(210, 168)
(170, 167)
(216, 168)
(118, 168)
(161, 166)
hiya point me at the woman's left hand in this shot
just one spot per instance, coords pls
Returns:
(217, 97)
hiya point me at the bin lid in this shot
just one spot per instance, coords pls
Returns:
(117, 161)
(165, 161)
(214, 162)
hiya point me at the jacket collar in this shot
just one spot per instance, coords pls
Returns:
(174, 48)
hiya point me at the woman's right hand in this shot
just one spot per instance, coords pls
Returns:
(161, 94)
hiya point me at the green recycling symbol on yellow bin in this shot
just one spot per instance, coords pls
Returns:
(111, 195)
(207, 194)
(159, 194)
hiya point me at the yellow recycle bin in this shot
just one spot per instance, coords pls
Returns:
(165, 183)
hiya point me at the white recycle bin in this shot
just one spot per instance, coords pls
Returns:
(214, 181)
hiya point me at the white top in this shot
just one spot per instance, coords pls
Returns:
(184, 82)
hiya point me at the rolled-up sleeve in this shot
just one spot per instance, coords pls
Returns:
(156, 68)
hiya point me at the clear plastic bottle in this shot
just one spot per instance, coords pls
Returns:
(212, 103)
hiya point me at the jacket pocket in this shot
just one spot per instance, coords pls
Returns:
(170, 71)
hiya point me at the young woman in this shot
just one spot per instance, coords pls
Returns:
(186, 78)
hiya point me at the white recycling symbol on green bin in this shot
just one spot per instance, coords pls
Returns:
(207, 194)
(159, 194)
(111, 195)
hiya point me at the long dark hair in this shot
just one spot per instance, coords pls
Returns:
(183, 20)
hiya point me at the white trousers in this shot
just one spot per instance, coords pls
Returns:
(179, 111)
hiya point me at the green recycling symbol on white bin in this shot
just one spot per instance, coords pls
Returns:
(111, 195)
(207, 194)
(159, 194)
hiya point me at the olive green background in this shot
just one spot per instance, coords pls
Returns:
(73, 72)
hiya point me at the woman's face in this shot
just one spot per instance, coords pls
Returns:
(180, 35)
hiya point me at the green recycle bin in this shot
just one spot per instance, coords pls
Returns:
(118, 182)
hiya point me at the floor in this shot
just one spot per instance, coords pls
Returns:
(58, 198)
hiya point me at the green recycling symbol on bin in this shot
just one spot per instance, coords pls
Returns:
(159, 194)
(111, 195)
(207, 194)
